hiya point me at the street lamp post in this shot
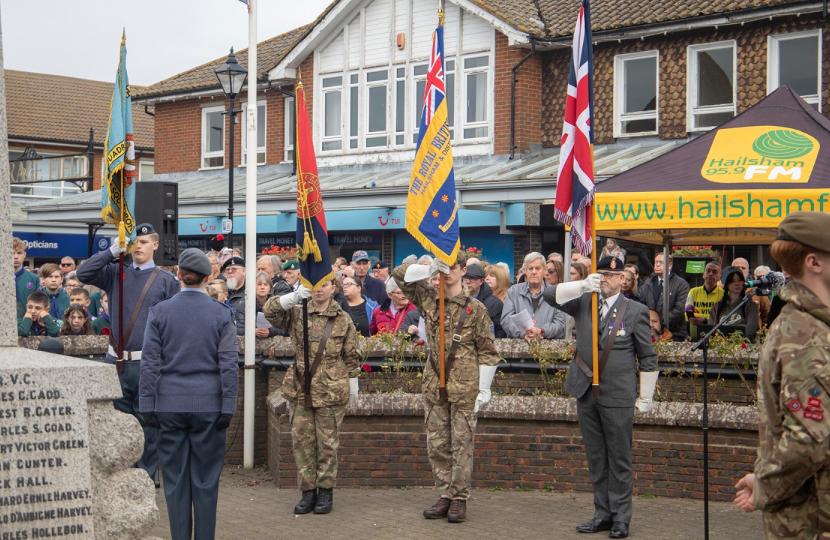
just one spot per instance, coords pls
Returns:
(232, 78)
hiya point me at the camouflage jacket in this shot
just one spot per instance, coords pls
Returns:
(341, 360)
(477, 345)
(792, 470)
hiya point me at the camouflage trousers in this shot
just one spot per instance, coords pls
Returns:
(315, 434)
(451, 432)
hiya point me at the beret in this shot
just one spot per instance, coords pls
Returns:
(193, 260)
(475, 271)
(808, 228)
(610, 263)
(233, 261)
(360, 256)
(380, 264)
(291, 265)
(144, 229)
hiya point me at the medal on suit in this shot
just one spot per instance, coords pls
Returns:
(621, 331)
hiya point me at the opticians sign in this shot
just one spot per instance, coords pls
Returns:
(60, 245)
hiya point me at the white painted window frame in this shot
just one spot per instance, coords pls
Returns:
(260, 149)
(773, 81)
(693, 73)
(288, 126)
(619, 95)
(415, 115)
(145, 162)
(367, 86)
(343, 102)
(489, 97)
(398, 82)
(205, 154)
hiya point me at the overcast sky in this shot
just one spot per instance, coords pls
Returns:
(80, 38)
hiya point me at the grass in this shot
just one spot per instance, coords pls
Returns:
(549, 489)
(495, 488)
(648, 496)
(521, 487)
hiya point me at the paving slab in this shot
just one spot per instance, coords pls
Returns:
(252, 507)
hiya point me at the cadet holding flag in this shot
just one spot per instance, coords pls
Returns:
(317, 392)
(457, 380)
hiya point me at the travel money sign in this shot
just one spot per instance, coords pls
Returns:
(735, 183)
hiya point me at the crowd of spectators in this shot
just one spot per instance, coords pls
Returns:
(54, 302)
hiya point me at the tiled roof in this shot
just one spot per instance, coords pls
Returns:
(560, 16)
(541, 18)
(62, 109)
(269, 53)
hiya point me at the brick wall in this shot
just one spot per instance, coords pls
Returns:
(234, 435)
(528, 119)
(525, 242)
(751, 48)
(390, 450)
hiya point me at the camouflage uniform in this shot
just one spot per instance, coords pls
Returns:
(792, 471)
(315, 432)
(451, 423)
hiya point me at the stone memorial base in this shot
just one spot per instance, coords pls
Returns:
(66, 453)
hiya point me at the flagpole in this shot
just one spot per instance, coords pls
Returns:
(594, 297)
(122, 242)
(442, 368)
(250, 242)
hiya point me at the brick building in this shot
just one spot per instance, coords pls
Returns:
(664, 73)
(53, 116)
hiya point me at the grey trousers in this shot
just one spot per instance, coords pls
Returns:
(608, 433)
(192, 452)
(149, 460)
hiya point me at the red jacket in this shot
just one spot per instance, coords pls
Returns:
(383, 322)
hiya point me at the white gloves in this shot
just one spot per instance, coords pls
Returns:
(288, 301)
(353, 389)
(417, 272)
(648, 381)
(115, 248)
(485, 379)
(565, 292)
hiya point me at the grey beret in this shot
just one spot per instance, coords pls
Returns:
(194, 260)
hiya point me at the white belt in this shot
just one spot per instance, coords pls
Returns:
(128, 355)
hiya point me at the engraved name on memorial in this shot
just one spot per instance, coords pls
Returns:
(45, 481)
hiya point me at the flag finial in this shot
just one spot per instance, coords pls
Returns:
(123, 34)
(440, 12)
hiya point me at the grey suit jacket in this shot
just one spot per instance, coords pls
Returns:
(618, 384)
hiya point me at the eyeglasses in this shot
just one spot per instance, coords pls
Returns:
(470, 278)
(233, 269)
(66, 264)
(551, 271)
(608, 275)
(349, 284)
(397, 293)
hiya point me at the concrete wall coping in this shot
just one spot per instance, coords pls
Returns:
(540, 408)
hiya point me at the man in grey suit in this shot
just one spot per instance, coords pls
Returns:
(607, 420)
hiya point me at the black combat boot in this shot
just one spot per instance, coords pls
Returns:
(324, 501)
(307, 503)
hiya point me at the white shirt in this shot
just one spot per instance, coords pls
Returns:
(607, 303)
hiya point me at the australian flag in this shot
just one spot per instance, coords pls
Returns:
(575, 183)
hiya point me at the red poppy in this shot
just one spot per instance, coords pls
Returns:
(743, 345)
(419, 343)
(653, 339)
(469, 309)
(367, 367)
(105, 331)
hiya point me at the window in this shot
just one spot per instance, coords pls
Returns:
(795, 61)
(419, 76)
(213, 138)
(475, 110)
(400, 105)
(354, 110)
(711, 85)
(289, 129)
(332, 113)
(146, 170)
(635, 94)
(376, 93)
(68, 167)
(260, 133)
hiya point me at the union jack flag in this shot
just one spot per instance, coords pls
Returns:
(575, 183)
(434, 91)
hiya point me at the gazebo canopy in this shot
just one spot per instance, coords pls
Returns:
(732, 185)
